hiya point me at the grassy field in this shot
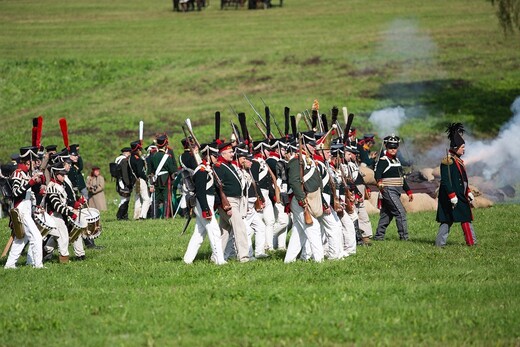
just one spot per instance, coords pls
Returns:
(138, 292)
(105, 65)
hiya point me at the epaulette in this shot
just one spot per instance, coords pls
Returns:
(202, 168)
(447, 161)
(217, 164)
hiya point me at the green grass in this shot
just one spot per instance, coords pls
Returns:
(105, 66)
(137, 291)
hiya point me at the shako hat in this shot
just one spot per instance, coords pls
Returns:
(392, 141)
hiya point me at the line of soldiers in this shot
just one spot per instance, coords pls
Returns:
(46, 194)
(308, 181)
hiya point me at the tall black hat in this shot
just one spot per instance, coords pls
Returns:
(58, 168)
(455, 132)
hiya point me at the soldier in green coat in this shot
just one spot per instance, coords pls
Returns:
(161, 168)
(455, 197)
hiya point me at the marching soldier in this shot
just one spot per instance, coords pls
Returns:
(362, 191)
(390, 180)
(305, 182)
(364, 147)
(232, 220)
(75, 175)
(24, 181)
(455, 197)
(58, 207)
(260, 172)
(276, 162)
(162, 170)
(255, 204)
(138, 169)
(206, 223)
(329, 221)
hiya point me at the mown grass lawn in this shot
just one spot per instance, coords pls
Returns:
(137, 291)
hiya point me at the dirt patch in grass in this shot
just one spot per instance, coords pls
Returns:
(316, 60)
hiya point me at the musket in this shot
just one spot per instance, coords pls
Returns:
(306, 213)
(348, 193)
(254, 110)
(193, 141)
(274, 119)
(307, 119)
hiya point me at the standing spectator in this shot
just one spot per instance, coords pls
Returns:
(96, 190)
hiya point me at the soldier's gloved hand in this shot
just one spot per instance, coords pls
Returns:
(454, 201)
(471, 197)
(206, 214)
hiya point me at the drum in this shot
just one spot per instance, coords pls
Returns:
(44, 221)
(91, 215)
(76, 228)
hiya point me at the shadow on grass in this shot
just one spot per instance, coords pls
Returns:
(490, 106)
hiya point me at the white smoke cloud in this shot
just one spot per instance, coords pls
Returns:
(388, 120)
(498, 159)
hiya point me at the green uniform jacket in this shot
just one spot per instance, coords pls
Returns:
(456, 185)
(201, 179)
(168, 166)
(229, 178)
(294, 180)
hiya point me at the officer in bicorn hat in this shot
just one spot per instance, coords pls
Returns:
(25, 184)
(138, 170)
(455, 197)
(162, 169)
(206, 223)
(391, 181)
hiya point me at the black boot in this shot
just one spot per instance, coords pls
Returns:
(89, 243)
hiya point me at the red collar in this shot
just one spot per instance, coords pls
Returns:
(222, 160)
(23, 167)
(259, 156)
(389, 155)
(274, 154)
(318, 157)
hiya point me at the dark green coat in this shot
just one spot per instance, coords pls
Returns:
(168, 167)
(454, 184)
(295, 182)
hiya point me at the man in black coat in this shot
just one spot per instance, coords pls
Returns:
(455, 197)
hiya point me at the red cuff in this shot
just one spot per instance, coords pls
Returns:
(368, 190)
(77, 205)
(301, 202)
(452, 195)
(358, 196)
(409, 192)
(74, 216)
(206, 214)
(32, 182)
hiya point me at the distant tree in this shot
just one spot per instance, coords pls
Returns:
(508, 13)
